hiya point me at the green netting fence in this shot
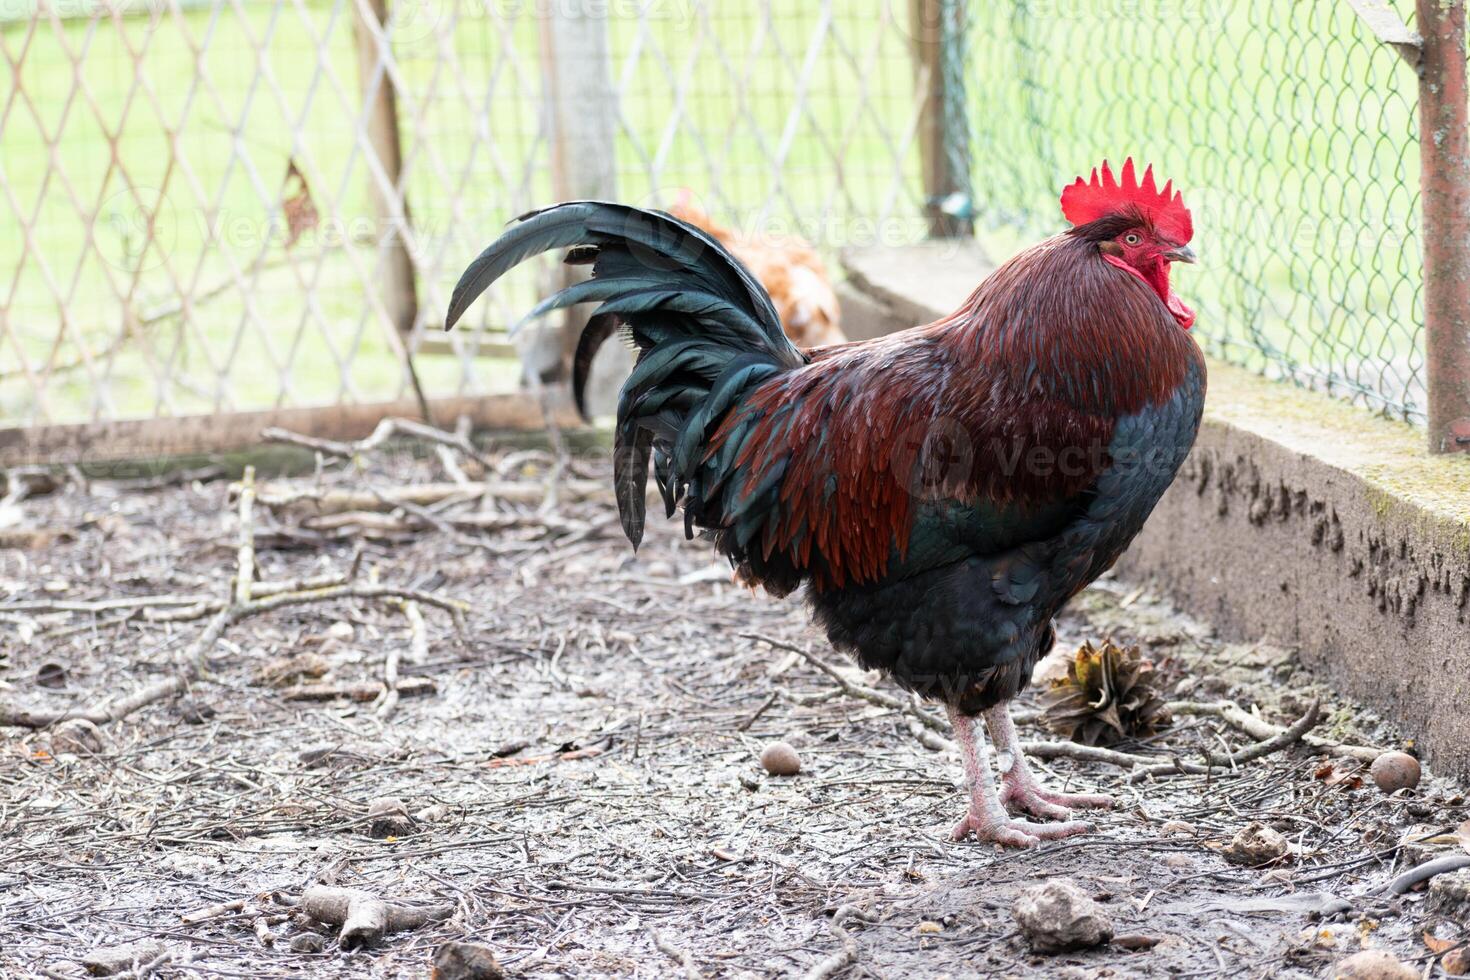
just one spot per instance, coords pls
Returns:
(1291, 128)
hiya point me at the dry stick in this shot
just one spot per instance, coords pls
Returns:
(857, 690)
(245, 553)
(357, 690)
(364, 917)
(386, 429)
(418, 653)
(845, 956)
(1258, 728)
(194, 658)
(213, 911)
(319, 501)
(101, 605)
(685, 961)
(1276, 743)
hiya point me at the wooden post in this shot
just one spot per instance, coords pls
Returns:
(1444, 148)
(399, 293)
(582, 118)
(932, 35)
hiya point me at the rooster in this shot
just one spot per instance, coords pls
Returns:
(941, 492)
(789, 270)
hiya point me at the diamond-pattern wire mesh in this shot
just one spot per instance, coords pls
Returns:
(193, 185)
(1290, 128)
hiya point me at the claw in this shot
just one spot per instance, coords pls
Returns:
(1016, 833)
(1021, 793)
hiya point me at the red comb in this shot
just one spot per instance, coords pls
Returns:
(1098, 198)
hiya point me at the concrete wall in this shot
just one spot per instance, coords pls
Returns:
(1297, 517)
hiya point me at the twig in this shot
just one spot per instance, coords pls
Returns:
(418, 653)
(195, 657)
(685, 961)
(1257, 728)
(101, 605)
(319, 501)
(385, 430)
(845, 956)
(1424, 872)
(364, 917)
(245, 553)
(364, 691)
(1276, 743)
(857, 690)
(213, 911)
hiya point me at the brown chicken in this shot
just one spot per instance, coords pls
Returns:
(791, 271)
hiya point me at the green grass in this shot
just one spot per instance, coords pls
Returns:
(1290, 131)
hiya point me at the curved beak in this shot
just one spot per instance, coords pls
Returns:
(1181, 254)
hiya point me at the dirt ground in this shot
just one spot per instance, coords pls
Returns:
(579, 766)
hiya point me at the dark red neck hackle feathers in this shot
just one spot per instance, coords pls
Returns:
(1105, 195)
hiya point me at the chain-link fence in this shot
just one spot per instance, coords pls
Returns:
(1291, 129)
(224, 206)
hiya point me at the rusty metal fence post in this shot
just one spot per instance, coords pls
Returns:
(939, 35)
(380, 104)
(1444, 146)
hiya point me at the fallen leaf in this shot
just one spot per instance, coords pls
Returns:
(1437, 945)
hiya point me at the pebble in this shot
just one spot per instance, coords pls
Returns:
(1393, 771)
(76, 736)
(1256, 844)
(307, 942)
(1449, 894)
(466, 961)
(111, 960)
(388, 817)
(780, 759)
(1059, 916)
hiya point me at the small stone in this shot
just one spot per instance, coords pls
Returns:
(1372, 964)
(111, 960)
(780, 759)
(929, 928)
(432, 813)
(1059, 916)
(388, 817)
(1456, 962)
(1256, 844)
(1449, 893)
(1393, 771)
(1174, 828)
(307, 942)
(466, 961)
(1178, 861)
(341, 630)
(77, 736)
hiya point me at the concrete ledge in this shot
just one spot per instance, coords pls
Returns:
(1296, 517)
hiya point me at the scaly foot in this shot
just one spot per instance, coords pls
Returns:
(1015, 833)
(1018, 791)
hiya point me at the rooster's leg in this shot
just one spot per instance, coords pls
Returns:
(987, 818)
(1018, 786)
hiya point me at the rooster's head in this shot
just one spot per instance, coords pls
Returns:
(1138, 227)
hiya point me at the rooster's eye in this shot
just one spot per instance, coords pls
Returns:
(1131, 239)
